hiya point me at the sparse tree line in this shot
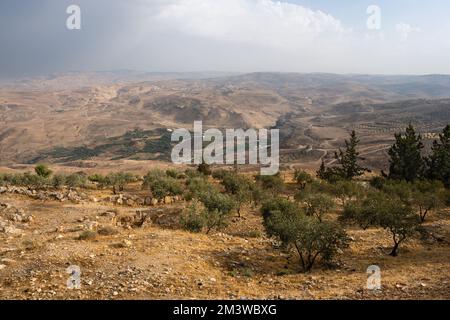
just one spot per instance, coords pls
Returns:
(407, 161)
(44, 178)
(398, 202)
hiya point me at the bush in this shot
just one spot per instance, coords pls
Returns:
(378, 182)
(161, 185)
(194, 219)
(31, 181)
(427, 196)
(197, 186)
(190, 173)
(220, 174)
(422, 195)
(119, 180)
(400, 221)
(218, 209)
(346, 191)
(311, 238)
(317, 204)
(76, 180)
(273, 184)
(381, 210)
(59, 181)
(318, 240)
(279, 215)
(364, 212)
(240, 187)
(302, 178)
(172, 173)
(318, 186)
(204, 169)
(331, 175)
(43, 171)
(34, 181)
(258, 194)
(98, 178)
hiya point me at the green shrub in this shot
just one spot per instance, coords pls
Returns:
(220, 174)
(388, 212)
(422, 195)
(59, 181)
(273, 184)
(161, 185)
(194, 219)
(346, 190)
(43, 171)
(172, 173)
(311, 238)
(302, 178)
(278, 214)
(191, 173)
(378, 182)
(318, 204)
(76, 180)
(239, 187)
(196, 186)
(218, 209)
(364, 212)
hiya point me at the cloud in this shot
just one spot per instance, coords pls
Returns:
(264, 23)
(198, 35)
(404, 30)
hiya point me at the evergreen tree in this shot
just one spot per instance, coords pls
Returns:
(322, 172)
(406, 162)
(204, 168)
(439, 161)
(348, 159)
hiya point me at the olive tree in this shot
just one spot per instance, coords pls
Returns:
(240, 188)
(388, 212)
(302, 178)
(218, 209)
(421, 195)
(316, 204)
(161, 185)
(427, 196)
(311, 238)
(273, 184)
(347, 191)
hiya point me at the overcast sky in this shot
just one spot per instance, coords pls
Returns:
(225, 35)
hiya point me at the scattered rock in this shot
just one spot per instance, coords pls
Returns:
(87, 235)
(107, 231)
(8, 262)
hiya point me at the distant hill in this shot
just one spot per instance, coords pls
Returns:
(85, 116)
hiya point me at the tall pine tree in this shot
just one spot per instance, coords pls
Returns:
(406, 162)
(348, 159)
(439, 160)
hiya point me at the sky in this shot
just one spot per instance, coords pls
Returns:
(407, 37)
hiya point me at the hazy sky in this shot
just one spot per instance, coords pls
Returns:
(225, 35)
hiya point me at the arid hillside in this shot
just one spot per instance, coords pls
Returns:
(127, 249)
(114, 116)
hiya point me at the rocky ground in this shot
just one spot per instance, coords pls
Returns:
(137, 252)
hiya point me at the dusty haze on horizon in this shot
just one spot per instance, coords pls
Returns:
(224, 35)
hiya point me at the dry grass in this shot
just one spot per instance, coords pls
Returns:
(154, 263)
